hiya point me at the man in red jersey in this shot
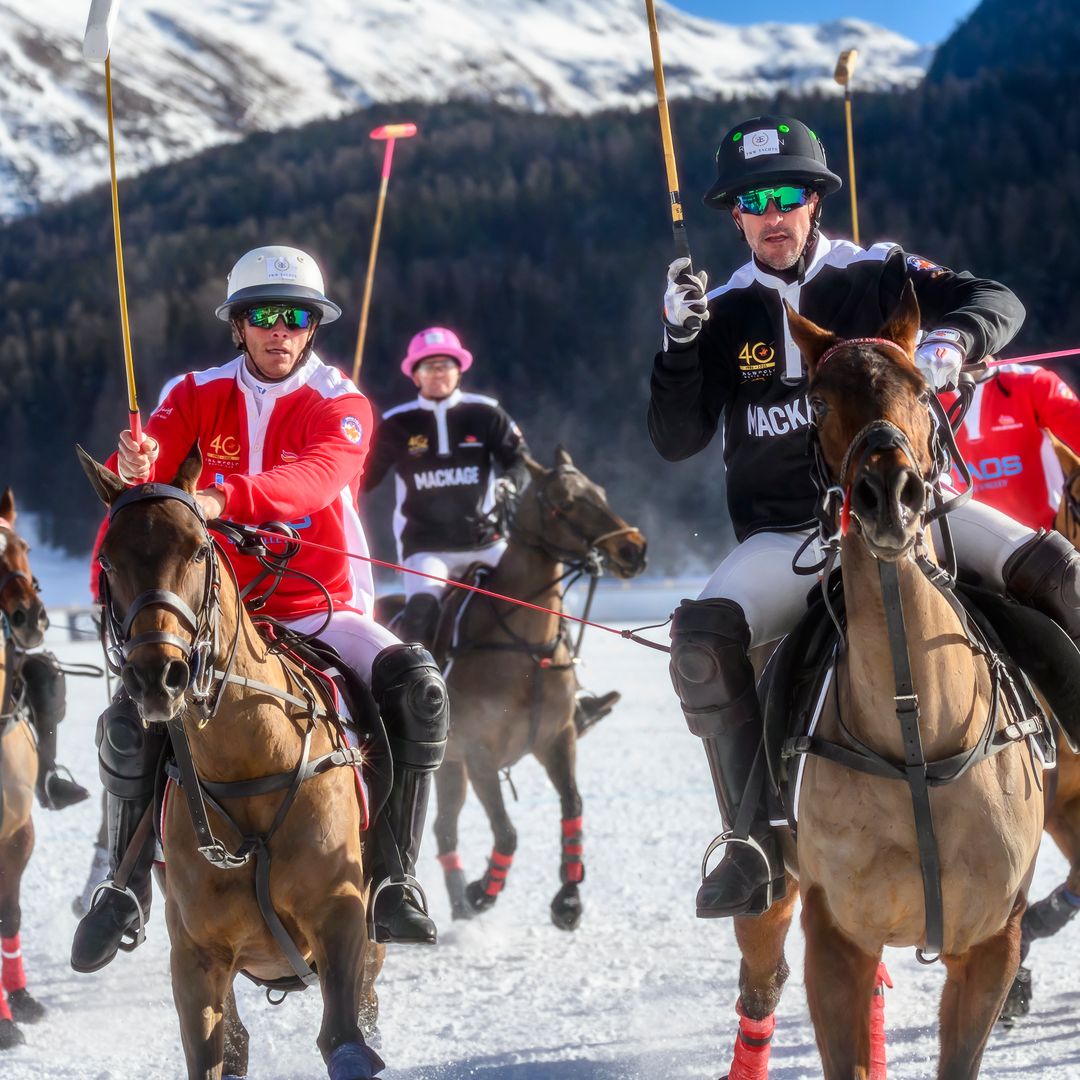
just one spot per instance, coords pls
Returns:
(283, 436)
(1004, 440)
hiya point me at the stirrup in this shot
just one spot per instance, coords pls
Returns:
(131, 939)
(729, 837)
(406, 881)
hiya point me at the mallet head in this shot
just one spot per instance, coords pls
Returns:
(99, 26)
(845, 66)
(394, 131)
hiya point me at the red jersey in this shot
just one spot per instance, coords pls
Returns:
(1004, 442)
(294, 453)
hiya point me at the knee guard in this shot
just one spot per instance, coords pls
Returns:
(710, 666)
(46, 689)
(409, 690)
(1045, 574)
(128, 752)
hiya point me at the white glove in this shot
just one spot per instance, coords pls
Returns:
(940, 358)
(134, 462)
(505, 490)
(685, 304)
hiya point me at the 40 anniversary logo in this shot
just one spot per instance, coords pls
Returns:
(757, 360)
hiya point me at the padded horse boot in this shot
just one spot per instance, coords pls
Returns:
(128, 757)
(590, 708)
(46, 692)
(1045, 574)
(712, 674)
(419, 620)
(412, 700)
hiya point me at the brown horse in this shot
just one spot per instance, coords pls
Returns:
(859, 858)
(24, 621)
(511, 679)
(194, 661)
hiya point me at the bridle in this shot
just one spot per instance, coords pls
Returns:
(13, 575)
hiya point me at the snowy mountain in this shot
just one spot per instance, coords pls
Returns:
(192, 75)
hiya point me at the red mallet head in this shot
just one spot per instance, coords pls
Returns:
(394, 131)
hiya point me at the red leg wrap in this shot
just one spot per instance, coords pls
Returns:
(12, 974)
(450, 861)
(877, 1025)
(5, 1012)
(751, 1058)
(573, 850)
(498, 868)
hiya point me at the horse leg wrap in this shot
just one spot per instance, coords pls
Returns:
(573, 866)
(877, 1024)
(751, 1058)
(451, 861)
(12, 974)
(354, 1061)
(5, 1011)
(495, 875)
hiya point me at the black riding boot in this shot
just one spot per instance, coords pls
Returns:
(712, 674)
(419, 620)
(411, 696)
(590, 708)
(1045, 574)
(128, 759)
(46, 692)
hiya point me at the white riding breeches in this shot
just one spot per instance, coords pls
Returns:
(357, 638)
(758, 576)
(446, 564)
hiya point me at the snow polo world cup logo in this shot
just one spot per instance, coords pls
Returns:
(352, 430)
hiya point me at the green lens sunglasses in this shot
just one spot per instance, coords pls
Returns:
(266, 316)
(788, 197)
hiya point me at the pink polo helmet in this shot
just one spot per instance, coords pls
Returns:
(435, 341)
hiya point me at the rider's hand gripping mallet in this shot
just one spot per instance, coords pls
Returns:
(390, 133)
(97, 42)
(678, 225)
(845, 69)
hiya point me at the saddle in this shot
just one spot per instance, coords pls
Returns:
(793, 686)
(452, 607)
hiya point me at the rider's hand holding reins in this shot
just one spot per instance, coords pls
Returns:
(685, 303)
(134, 461)
(940, 358)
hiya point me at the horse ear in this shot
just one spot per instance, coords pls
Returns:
(562, 458)
(7, 506)
(106, 483)
(536, 470)
(187, 476)
(812, 340)
(903, 324)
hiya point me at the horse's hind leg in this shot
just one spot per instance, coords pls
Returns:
(236, 1041)
(971, 1001)
(559, 758)
(451, 786)
(840, 980)
(485, 781)
(762, 975)
(14, 857)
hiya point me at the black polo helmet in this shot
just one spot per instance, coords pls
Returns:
(766, 151)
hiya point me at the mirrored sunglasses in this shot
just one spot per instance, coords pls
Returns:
(788, 197)
(266, 316)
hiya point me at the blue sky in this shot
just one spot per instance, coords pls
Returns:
(925, 21)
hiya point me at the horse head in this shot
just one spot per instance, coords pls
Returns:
(159, 585)
(567, 515)
(869, 415)
(19, 600)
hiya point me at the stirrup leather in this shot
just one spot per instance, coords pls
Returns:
(728, 837)
(131, 939)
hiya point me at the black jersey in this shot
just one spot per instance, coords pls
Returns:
(446, 454)
(745, 367)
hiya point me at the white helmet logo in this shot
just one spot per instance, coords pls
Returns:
(281, 269)
(433, 337)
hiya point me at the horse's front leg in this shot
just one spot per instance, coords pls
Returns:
(485, 781)
(559, 758)
(200, 982)
(339, 942)
(451, 786)
(14, 857)
(237, 1041)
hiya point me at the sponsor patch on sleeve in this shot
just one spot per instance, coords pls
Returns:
(352, 429)
(917, 262)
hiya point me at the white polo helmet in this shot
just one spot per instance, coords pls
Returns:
(276, 275)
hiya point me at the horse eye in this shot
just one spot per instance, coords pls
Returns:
(818, 408)
(104, 563)
(202, 554)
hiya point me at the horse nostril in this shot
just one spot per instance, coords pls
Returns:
(629, 553)
(18, 618)
(913, 493)
(866, 495)
(175, 677)
(133, 682)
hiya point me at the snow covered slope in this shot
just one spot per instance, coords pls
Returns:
(191, 75)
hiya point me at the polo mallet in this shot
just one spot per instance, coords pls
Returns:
(97, 44)
(845, 69)
(389, 133)
(678, 225)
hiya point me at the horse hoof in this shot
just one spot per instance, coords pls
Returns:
(24, 1008)
(567, 908)
(10, 1035)
(477, 898)
(354, 1061)
(462, 910)
(1018, 1000)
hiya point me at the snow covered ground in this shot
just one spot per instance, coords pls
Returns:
(641, 990)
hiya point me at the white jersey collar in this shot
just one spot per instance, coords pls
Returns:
(443, 404)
